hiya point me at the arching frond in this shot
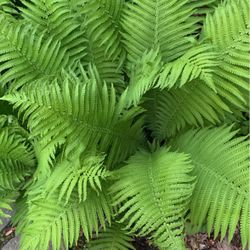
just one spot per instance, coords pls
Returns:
(157, 23)
(81, 114)
(197, 63)
(47, 220)
(80, 173)
(26, 56)
(221, 195)
(228, 30)
(170, 111)
(109, 70)
(143, 75)
(16, 159)
(103, 25)
(101, 22)
(58, 19)
(113, 238)
(151, 197)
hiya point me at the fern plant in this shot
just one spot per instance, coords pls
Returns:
(124, 118)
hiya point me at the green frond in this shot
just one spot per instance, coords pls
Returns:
(197, 63)
(169, 111)
(143, 75)
(228, 30)
(45, 155)
(26, 56)
(16, 159)
(221, 194)
(101, 21)
(157, 23)
(85, 83)
(103, 25)
(109, 70)
(81, 114)
(113, 238)
(80, 173)
(49, 220)
(21, 209)
(57, 19)
(152, 198)
(7, 198)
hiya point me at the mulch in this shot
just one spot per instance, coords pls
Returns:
(199, 241)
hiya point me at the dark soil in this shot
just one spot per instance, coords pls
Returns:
(143, 244)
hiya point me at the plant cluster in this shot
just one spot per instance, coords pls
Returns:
(124, 118)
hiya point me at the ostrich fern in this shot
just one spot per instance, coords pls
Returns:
(124, 118)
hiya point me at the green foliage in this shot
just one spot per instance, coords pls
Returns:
(16, 158)
(221, 165)
(154, 190)
(47, 219)
(84, 173)
(80, 110)
(198, 63)
(174, 110)
(163, 24)
(124, 118)
(113, 238)
(228, 30)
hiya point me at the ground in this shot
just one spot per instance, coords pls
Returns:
(200, 241)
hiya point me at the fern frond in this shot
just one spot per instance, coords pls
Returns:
(228, 30)
(26, 56)
(221, 195)
(113, 238)
(57, 19)
(103, 25)
(101, 21)
(109, 70)
(152, 198)
(60, 222)
(16, 159)
(197, 63)
(79, 173)
(81, 114)
(157, 23)
(7, 198)
(143, 76)
(45, 155)
(169, 111)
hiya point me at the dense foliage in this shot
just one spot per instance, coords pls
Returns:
(122, 119)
